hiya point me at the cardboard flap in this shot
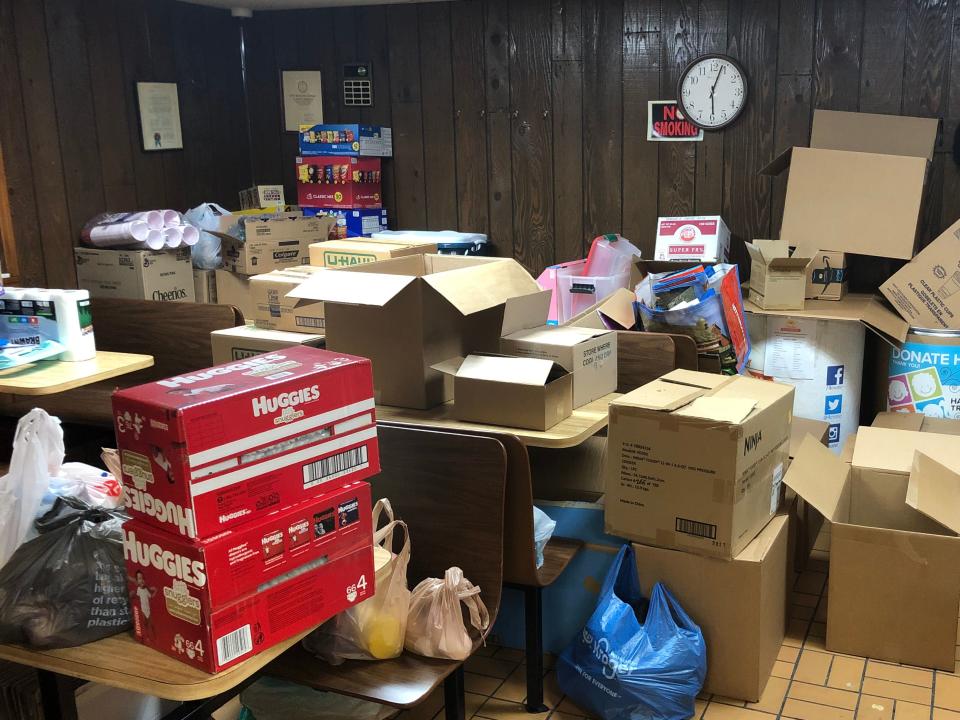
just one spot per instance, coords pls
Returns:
(868, 132)
(934, 490)
(755, 253)
(352, 288)
(481, 287)
(890, 326)
(661, 395)
(776, 166)
(449, 366)
(708, 381)
(525, 312)
(899, 420)
(618, 307)
(725, 410)
(866, 309)
(521, 371)
(819, 477)
(560, 336)
(892, 450)
(789, 263)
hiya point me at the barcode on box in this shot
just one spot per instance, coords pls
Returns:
(700, 529)
(234, 645)
(334, 466)
(309, 322)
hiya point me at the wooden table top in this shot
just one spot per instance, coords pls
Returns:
(583, 423)
(52, 376)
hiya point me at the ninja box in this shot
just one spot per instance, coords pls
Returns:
(210, 450)
(216, 602)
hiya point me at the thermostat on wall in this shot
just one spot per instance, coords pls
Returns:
(357, 84)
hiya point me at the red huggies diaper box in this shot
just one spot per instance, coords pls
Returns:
(215, 602)
(208, 451)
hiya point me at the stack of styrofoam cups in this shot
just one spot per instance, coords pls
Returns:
(152, 230)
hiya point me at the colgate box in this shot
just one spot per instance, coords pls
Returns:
(207, 451)
(704, 237)
(339, 182)
(215, 602)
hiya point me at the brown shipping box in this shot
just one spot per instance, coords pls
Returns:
(205, 286)
(917, 422)
(274, 310)
(858, 187)
(248, 340)
(926, 291)
(827, 275)
(509, 391)
(274, 243)
(695, 461)
(739, 604)
(805, 520)
(162, 275)
(346, 253)
(234, 289)
(410, 313)
(777, 281)
(894, 589)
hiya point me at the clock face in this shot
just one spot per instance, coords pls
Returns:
(712, 91)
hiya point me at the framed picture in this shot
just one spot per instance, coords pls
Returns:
(159, 116)
(302, 98)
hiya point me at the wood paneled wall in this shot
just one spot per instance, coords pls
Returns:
(69, 123)
(526, 119)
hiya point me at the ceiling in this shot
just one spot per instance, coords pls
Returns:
(259, 5)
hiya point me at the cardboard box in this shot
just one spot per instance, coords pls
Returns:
(177, 588)
(259, 197)
(695, 461)
(407, 314)
(274, 310)
(205, 286)
(616, 312)
(894, 588)
(245, 341)
(858, 187)
(357, 140)
(346, 253)
(273, 244)
(339, 182)
(777, 281)
(703, 237)
(918, 422)
(234, 289)
(165, 275)
(805, 521)
(205, 452)
(827, 275)
(590, 355)
(740, 605)
(926, 291)
(352, 223)
(509, 391)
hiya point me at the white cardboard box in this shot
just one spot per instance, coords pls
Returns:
(165, 275)
(700, 237)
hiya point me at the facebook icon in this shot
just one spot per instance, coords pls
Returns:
(835, 375)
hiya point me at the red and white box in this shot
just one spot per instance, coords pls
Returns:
(339, 182)
(701, 238)
(215, 602)
(210, 450)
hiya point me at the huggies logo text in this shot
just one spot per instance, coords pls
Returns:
(164, 511)
(153, 555)
(267, 406)
(250, 364)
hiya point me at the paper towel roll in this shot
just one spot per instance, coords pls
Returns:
(74, 324)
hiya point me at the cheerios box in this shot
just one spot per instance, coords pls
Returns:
(209, 450)
(218, 601)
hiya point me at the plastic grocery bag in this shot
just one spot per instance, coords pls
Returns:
(67, 586)
(274, 699)
(37, 455)
(543, 527)
(435, 626)
(374, 629)
(206, 253)
(634, 660)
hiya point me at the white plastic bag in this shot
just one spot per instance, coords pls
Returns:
(435, 626)
(374, 629)
(206, 252)
(543, 527)
(273, 699)
(37, 456)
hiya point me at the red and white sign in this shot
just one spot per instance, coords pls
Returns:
(703, 238)
(209, 450)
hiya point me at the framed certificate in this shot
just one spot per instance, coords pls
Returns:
(302, 98)
(159, 116)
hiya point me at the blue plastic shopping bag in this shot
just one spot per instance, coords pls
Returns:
(634, 659)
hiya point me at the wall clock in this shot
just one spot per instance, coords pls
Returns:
(712, 91)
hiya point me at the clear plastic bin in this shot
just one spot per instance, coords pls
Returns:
(578, 292)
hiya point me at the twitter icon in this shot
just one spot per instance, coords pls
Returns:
(833, 404)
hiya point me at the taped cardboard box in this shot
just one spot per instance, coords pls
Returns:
(347, 253)
(739, 604)
(410, 313)
(894, 588)
(827, 276)
(695, 461)
(509, 391)
(234, 289)
(777, 280)
(164, 276)
(926, 291)
(246, 341)
(858, 187)
(274, 310)
(273, 243)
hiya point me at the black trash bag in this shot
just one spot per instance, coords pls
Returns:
(68, 586)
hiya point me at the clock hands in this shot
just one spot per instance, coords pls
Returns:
(714, 87)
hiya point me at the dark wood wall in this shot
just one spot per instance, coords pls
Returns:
(526, 119)
(69, 123)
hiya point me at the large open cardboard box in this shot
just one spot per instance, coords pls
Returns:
(407, 314)
(858, 187)
(894, 553)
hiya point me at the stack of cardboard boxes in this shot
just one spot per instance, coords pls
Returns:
(251, 520)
